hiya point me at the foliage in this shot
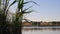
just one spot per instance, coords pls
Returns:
(16, 27)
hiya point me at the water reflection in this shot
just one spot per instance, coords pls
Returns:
(28, 29)
(40, 30)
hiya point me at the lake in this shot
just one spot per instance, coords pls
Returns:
(41, 30)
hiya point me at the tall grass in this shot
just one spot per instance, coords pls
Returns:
(16, 28)
(3, 15)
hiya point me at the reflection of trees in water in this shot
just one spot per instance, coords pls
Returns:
(41, 29)
(58, 29)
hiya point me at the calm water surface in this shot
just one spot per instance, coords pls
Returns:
(41, 30)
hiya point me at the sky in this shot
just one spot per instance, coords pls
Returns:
(49, 10)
